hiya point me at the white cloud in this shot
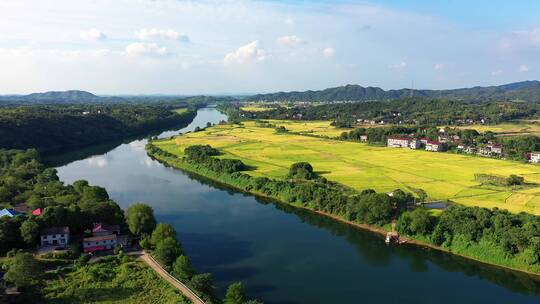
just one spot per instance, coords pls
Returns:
(520, 40)
(291, 41)
(328, 52)
(496, 73)
(439, 66)
(93, 35)
(523, 68)
(289, 21)
(248, 53)
(398, 66)
(145, 49)
(161, 34)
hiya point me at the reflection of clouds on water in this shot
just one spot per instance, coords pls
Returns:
(100, 161)
(148, 162)
(137, 145)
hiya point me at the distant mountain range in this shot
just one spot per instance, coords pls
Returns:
(58, 97)
(525, 90)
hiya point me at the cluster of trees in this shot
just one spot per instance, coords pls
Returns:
(202, 154)
(417, 110)
(162, 240)
(25, 181)
(56, 127)
(497, 233)
(495, 180)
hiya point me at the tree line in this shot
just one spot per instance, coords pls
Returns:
(58, 127)
(415, 110)
(495, 236)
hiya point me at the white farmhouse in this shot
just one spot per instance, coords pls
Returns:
(55, 236)
(398, 142)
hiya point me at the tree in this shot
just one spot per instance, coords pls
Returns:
(514, 180)
(24, 270)
(162, 232)
(235, 294)
(30, 231)
(167, 251)
(203, 283)
(140, 219)
(302, 170)
(182, 268)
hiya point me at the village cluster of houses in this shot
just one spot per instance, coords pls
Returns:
(104, 237)
(443, 141)
(414, 143)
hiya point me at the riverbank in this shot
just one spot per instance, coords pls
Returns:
(178, 163)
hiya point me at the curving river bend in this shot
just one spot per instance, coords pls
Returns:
(281, 254)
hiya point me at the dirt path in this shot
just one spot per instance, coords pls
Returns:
(188, 293)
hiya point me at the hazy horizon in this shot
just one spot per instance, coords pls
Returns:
(144, 47)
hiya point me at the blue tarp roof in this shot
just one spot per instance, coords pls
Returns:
(8, 212)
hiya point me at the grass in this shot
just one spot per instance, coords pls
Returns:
(111, 280)
(442, 175)
(180, 110)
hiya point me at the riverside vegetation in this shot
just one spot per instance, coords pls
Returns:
(493, 236)
(70, 278)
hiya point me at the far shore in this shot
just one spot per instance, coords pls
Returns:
(378, 230)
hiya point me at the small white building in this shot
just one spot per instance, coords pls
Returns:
(55, 236)
(495, 149)
(434, 146)
(363, 138)
(398, 142)
(415, 144)
(534, 157)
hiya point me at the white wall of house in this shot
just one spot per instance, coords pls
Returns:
(54, 239)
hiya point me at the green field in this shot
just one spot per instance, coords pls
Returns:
(180, 110)
(110, 281)
(441, 175)
(520, 127)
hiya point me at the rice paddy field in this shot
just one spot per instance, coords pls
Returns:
(521, 127)
(442, 175)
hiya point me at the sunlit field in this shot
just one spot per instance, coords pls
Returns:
(522, 127)
(441, 175)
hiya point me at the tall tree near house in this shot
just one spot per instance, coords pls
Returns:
(140, 219)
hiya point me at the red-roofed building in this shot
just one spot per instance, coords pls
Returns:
(99, 243)
(103, 229)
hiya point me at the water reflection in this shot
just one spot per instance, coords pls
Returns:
(288, 255)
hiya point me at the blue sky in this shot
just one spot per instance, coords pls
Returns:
(237, 46)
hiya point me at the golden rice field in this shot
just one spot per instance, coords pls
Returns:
(531, 127)
(441, 175)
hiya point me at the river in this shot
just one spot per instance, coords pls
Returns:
(284, 255)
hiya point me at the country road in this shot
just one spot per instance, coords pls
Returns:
(188, 293)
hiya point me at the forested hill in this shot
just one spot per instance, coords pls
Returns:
(83, 97)
(525, 90)
(63, 127)
(58, 97)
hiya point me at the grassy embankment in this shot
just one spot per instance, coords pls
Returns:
(111, 280)
(443, 176)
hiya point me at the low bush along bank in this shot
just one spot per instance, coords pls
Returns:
(493, 236)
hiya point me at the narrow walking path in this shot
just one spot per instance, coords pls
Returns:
(186, 291)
